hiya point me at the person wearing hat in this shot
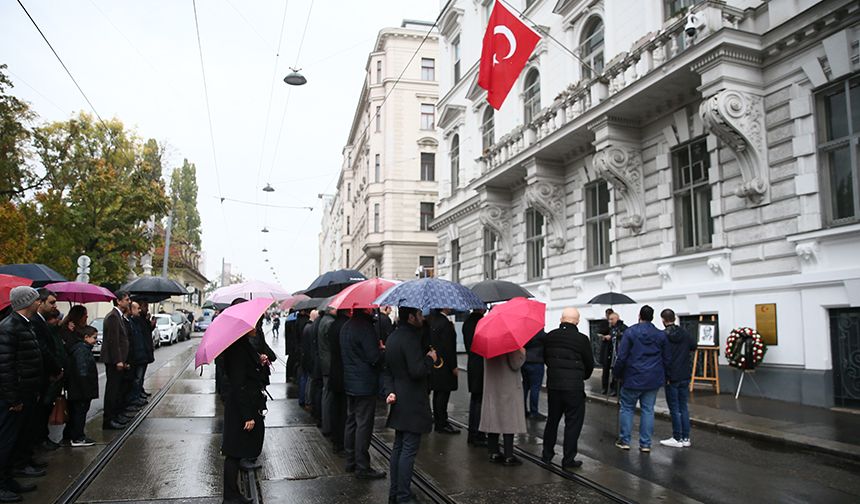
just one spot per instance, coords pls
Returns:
(20, 379)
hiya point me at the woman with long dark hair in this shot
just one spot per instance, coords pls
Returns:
(71, 328)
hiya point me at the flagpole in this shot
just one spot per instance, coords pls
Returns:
(546, 34)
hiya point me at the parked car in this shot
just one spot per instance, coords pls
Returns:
(99, 324)
(156, 338)
(168, 330)
(181, 320)
(202, 324)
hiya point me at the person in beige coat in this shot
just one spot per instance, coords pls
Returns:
(502, 405)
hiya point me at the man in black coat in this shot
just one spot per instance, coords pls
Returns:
(52, 371)
(475, 372)
(681, 346)
(335, 382)
(20, 381)
(306, 363)
(616, 333)
(443, 380)
(115, 344)
(408, 367)
(362, 358)
(569, 361)
(382, 323)
(144, 323)
(292, 344)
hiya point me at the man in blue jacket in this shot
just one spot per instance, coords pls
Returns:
(681, 345)
(641, 364)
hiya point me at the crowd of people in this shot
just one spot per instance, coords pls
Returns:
(48, 374)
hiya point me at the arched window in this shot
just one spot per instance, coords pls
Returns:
(531, 96)
(455, 163)
(487, 127)
(591, 48)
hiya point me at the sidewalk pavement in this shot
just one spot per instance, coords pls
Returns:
(818, 429)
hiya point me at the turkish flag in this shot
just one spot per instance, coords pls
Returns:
(508, 44)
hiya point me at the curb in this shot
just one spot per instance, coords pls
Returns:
(829, 447)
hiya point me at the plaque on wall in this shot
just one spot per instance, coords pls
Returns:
(765, 322)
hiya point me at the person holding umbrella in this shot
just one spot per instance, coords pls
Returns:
(443, 380)
(475, 372)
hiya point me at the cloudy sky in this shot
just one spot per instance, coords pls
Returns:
(138, 61)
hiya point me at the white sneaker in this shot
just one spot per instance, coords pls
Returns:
(672, 442)
(686, 443)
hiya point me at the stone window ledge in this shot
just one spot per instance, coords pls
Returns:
(718, 261)
(695, 257)
(827, 234)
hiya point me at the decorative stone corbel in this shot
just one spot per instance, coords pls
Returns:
(665, 272)
(613, 280)
(622, 167)
(807, 251)
(578, 286)
(715, 264)
(498, 219)
(548, 199)
(737, 118)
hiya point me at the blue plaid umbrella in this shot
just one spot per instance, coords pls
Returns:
(431, 293)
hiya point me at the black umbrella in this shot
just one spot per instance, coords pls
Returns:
(40, 274)
(209, 304)
(493, 291)
(329, 284)
(310, 304)
(153, 289)
(611, 298)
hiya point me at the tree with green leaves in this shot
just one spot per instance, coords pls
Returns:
(16, 173)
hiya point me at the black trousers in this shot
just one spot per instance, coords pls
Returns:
(74, 430)
(114, 401)
(231, 479)
(475, 403)
(359, 427)
(571, 405)
(10, 428)
(338, 420)
(493, 444)
(440, 408)
(23, 451)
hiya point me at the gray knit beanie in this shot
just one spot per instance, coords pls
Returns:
(22, 297)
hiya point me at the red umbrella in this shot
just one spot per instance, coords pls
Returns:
(7, 283)
(80, 292)
(508, 327)
(291, 301)
(361, 294)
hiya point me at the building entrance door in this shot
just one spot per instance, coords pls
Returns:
(845, 345)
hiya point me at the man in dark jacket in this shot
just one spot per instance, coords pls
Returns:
(408, 366)
(137, 356)
(362, 359)
(335, 383)
(52, 372)
(616, 334)
(681, 344)
(475, 372)
(144, 323)
(115, 343)
(327, 316)
(641, 364)
(443, 379)
(533, 371)
(20, 381)
(307, 344)
(569, 362)
(383, 324)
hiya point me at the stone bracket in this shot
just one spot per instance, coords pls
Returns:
(498, 218)
(737, 118)
(548, 199)
(622, 167)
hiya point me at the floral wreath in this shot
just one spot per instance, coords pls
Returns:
(745, 348)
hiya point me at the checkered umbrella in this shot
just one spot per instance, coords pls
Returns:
(431, 293)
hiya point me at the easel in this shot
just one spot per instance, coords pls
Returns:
(710, 371)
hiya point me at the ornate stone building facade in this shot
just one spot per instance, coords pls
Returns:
(701, 156)
(378, 219)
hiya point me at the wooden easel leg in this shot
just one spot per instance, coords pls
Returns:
(716, 370)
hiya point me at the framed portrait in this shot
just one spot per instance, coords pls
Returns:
(707, 334)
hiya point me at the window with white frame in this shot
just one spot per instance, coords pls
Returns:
(428, 69)
(455, 163)
(455, 260)
(428, 166)
(378, 71)
(426, 266)
(534, 244)
(455, 50)
(377, 168)
(675, 7)
(378, 119)
(427, 214)
(428, 116)
(490, 253)
(531, 96)
(838, 114)
(487, 128)
(591, 48)
(376, 218)
(597, 221)
(690, 163)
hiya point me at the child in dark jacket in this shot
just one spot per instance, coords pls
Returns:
(82, 385)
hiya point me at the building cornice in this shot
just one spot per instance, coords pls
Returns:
(467, 207)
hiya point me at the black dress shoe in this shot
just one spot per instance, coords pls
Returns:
(447, 430)
(29, 472)
(9, 496)
(546, 460)
(18, 487)
(497, 458)
(512, 461)
(113, 425)
(370, 474)
(576, 464)
(38, 464)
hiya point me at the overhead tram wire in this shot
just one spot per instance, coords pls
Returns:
(90, 103)
(266, 205)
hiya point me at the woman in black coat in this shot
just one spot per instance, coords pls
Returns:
(246, 371)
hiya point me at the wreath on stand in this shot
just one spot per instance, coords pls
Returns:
(745, 348)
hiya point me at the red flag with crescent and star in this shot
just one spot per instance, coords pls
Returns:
(508, 44)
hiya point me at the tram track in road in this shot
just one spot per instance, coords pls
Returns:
(555, 469)
(80, 484)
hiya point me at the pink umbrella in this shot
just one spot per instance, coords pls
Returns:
(233, 323)
(361, 294)
(291, 301)
(80, 292)
(249, 290)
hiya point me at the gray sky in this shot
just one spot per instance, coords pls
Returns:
(138, 61)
